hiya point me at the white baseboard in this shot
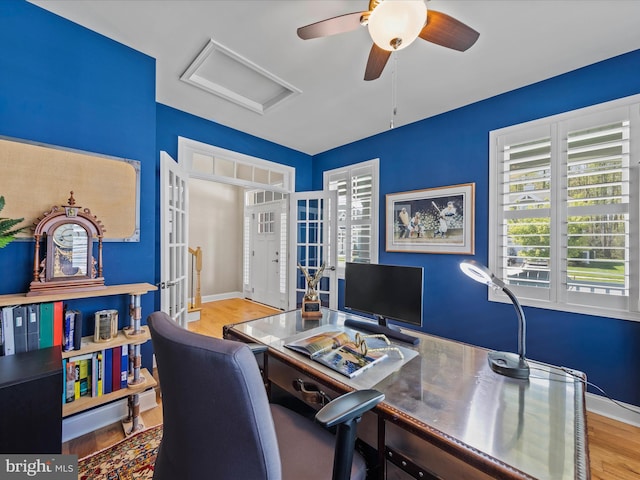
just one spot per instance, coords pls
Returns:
(605, 407)
(114, 412)
(222, 296)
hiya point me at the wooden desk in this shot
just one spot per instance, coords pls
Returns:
(446, 414)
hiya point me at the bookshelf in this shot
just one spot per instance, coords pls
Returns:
(140, 379)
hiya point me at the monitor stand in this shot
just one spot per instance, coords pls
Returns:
(382, 327)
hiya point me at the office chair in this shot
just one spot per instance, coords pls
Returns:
(218, 423)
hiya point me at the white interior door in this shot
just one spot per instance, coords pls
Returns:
(268, 253)
(174, 229)
(313, 234)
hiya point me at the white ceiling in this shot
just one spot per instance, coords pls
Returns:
(521, 42)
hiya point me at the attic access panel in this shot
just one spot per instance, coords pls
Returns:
(225, 73)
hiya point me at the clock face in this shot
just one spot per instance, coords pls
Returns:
(70, 254)
(64, 235)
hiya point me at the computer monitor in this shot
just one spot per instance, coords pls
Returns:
(388, 292)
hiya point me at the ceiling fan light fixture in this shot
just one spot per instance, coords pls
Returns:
(395, 24)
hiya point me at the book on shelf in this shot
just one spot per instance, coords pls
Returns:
(82, 375)
(115, 367)
(70, 380)
(97, 373)
(68, 330)
(107, 382)
(124, 366)
(72, 330)
(338, 351)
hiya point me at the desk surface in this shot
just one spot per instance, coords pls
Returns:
(448, 394)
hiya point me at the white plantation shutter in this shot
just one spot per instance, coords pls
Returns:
(564, 210)
(357, 187)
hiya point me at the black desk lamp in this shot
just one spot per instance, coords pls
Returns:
(504, 363)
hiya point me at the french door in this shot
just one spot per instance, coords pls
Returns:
(174, 229)
(312, 221)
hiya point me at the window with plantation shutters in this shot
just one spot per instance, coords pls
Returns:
(357, 187)
(564, 210)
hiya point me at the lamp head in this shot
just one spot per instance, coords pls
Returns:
(480, 273)
(395, 24)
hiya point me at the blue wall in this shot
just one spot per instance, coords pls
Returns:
(453, 148)
(64, 85)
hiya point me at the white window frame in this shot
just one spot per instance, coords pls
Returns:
(347, 172)
(557, 127)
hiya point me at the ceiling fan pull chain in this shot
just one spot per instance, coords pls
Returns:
(394, 91)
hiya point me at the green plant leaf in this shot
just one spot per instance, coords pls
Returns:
(7, 232)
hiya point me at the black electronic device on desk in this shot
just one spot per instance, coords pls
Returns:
(388, 292)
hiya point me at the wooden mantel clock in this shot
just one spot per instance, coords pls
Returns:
(68, 264)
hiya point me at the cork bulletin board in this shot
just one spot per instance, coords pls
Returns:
(35, 177)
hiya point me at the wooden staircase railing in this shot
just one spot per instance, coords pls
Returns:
(195, 299)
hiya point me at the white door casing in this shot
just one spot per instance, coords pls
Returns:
(174, 230)
(313, 240)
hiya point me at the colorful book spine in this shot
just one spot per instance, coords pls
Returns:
(99, 372)
(116, 359)
(82, 384)
(77, 329)
(107, 380)
(96, 374)
(70, 379)
(124, 367)
(46, 325)
(85, 377)
(58, 320)
(69, 320)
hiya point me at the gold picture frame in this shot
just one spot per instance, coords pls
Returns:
(433, 220)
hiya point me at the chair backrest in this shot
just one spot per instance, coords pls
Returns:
(217, 421)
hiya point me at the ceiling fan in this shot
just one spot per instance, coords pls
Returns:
(394, 25)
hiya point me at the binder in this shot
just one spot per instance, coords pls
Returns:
(20, 328)
(33, 327)
(46, 325)
(7, 331)
(58, 320)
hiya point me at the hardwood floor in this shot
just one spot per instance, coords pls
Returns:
(614, 447)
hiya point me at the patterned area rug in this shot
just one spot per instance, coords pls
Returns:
(130, 459)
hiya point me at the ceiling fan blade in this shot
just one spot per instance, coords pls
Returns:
(448, 32)
(377, 60)
(331, 26)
